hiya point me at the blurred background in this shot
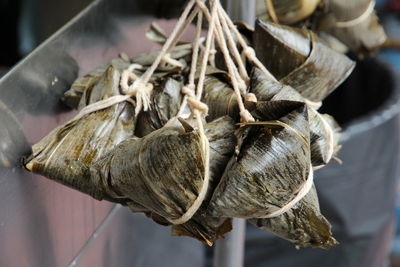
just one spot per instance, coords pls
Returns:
(27, 23)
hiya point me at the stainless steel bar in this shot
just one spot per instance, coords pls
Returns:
(229, 252)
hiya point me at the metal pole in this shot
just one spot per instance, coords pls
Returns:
(229, 252)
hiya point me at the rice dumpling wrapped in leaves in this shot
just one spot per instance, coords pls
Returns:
(207, 229)
(67, 152)
(305, 64)
(354, 23)
(303, 225)
(163, 172)
(73, 96)
(322, 137)
(271, 167)
(180, 53)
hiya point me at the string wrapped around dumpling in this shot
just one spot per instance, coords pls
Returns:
(155, 176)
(222, 101)
(312, 68)
(201, 226)
(302, 224)
(271, 167)
(67, 152)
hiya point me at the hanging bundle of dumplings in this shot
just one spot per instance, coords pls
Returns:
(192, 144)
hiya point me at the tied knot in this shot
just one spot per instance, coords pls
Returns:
(194, 103)
(142, 91)
(134, 86)
(128, 77)
(188, 90)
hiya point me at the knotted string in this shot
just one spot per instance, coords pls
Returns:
(199, 108)
(141, 89)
